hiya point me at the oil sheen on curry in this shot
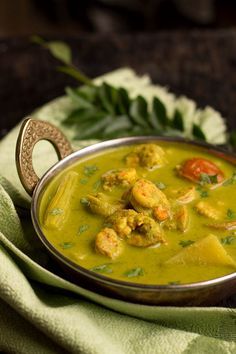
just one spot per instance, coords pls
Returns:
(148, 213)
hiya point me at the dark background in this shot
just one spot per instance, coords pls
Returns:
(187, 45)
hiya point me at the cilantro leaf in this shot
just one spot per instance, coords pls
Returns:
(231, 214)
(103, 268)
(84, 201)
(83, 228)
(186, 243)
(135, 272)
(228, 240)
(66, 245)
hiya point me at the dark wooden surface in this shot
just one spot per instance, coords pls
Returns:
(201, 65)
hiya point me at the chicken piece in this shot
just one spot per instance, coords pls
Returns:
(147, 234)
(226, 225)
(124, 177)
(108, 243)
(146, 155)
(205, 209)
(206, 251)
(124, 221)
(179, 219)
(104, 205)
(184, 195)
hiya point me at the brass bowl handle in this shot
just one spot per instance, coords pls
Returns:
(31, 132)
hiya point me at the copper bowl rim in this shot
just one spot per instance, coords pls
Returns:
(99, 147)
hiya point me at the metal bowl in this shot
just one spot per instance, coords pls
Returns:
(200, 293)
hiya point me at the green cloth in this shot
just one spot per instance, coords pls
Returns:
(40, 312)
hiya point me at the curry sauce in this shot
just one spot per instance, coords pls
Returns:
(146, 213)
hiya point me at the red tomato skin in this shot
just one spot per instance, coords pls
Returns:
(193, 168)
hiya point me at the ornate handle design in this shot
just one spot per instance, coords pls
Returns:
(31, 132)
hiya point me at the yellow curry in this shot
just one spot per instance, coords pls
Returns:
(148, 213)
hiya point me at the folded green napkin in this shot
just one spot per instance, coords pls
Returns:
(40, 312)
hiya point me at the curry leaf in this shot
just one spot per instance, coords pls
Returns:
(139, 111)
(198, 133)
(178, 121)
(60, 50)
(123, 101)
(159, 112)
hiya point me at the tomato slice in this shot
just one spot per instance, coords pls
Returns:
(193, 169)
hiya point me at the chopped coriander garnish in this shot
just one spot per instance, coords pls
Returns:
(231, 214)
(231, 180)
(83, 180)
(103, 268)
(135, 272)
(84, 201)
(186, 243)
(56, 211)
(83, 228)
(90, 170)
(228, 240)
(66, 245)
(160, 185)
(203, 193)
(174, 282)
(107, 224)
(208, 179)
(97, 185)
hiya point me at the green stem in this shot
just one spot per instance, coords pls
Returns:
(72, 71)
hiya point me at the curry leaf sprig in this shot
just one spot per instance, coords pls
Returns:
(103, 111)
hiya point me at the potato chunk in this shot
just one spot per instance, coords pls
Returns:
(108, 243)
(207, 251)
(146, 155)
